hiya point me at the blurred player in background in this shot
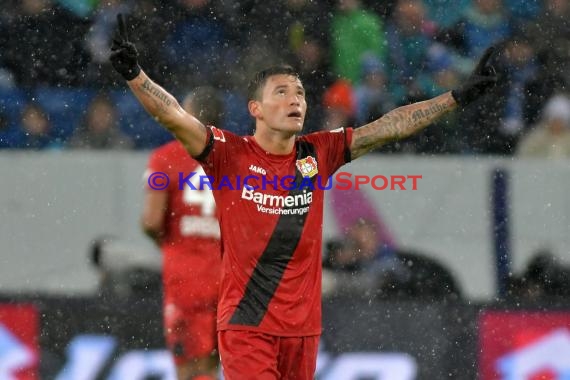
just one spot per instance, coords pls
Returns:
(184, 224)
(269, 310)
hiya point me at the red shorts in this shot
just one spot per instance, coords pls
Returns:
(190, 333)
(252, 355)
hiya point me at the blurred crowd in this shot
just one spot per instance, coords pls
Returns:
(358, 59)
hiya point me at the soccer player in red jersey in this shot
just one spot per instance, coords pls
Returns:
(182, 221)
(269, 310)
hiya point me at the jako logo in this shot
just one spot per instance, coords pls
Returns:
(257, 169)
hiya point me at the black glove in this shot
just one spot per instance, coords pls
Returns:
(124, 53)
(481, 80)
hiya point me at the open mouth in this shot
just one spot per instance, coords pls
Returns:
(295, 114)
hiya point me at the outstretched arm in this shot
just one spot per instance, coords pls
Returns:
(169, 113)
(155, 100)
(407, 120)
(400, 123)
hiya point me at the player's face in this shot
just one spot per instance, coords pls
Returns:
(283, 105)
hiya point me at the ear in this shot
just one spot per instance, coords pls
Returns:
(254, 109)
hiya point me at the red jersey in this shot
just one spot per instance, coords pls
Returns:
(272, 235)
(191, 245)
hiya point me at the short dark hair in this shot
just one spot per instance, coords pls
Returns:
(260, 78)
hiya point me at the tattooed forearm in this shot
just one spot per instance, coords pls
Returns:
(157, 92)
(156, 101)
(420, 114)
(161, 100)
(400, 123)
(166, 110)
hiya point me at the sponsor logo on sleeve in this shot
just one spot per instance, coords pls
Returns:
(218, 134)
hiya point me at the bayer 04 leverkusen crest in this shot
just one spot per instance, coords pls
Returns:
(307, 166)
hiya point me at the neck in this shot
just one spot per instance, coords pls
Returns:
(275, 142)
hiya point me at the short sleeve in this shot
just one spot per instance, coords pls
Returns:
(219, 155)
(334, 145)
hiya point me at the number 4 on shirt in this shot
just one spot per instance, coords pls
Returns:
(204, 197)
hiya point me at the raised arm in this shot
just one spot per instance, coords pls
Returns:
(407, 120)
(400, 123)
(169, 113)
(155, 100)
